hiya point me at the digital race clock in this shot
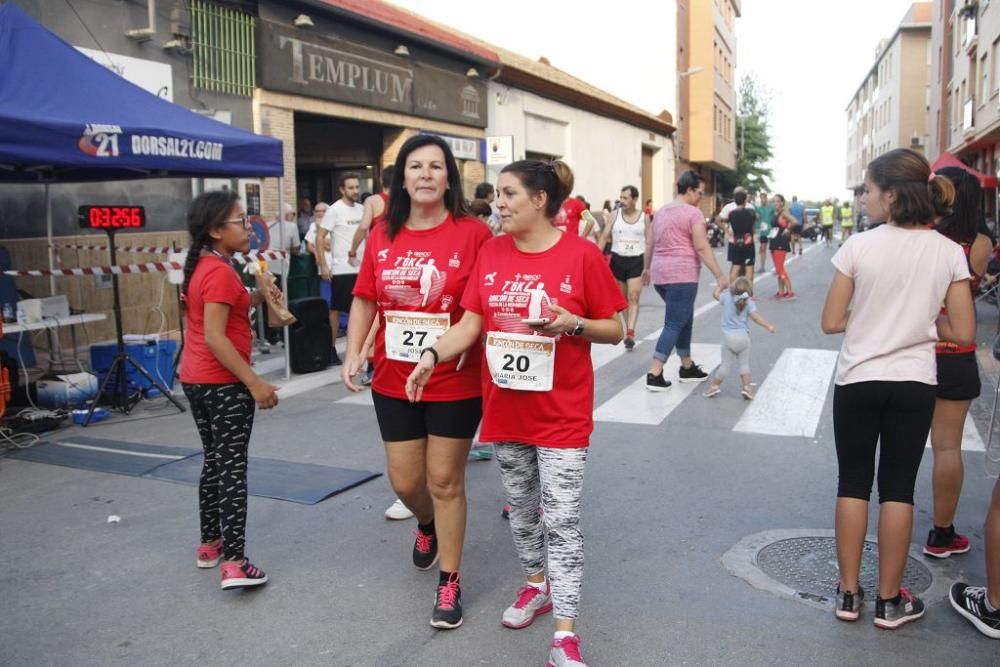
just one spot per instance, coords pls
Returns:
(112, 217)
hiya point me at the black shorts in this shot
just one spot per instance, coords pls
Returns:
(342, 291)
(958, 377)
(763, 239)
(626, 268)
(399, 420)
(741, 255)
(796, 230)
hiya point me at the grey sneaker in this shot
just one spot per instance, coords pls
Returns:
(849, 604)
(890, 615)
(531, 602)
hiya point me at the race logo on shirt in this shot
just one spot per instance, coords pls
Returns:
(523, 297)
(490, 279)
(414, 280)
(455, 262)
(566, 286)
(383, 254)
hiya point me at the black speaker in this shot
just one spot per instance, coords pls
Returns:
(310, 338)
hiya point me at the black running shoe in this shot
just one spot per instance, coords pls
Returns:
(656, 382)
(448, 605)
(970, 601)
(629, 343)
(425, 549)
(335, 358)
(694, 373)
(890, 615)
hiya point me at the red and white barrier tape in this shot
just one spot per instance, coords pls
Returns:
(148, 267)
(152, 250)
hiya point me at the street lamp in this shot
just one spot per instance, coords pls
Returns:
(677, 91)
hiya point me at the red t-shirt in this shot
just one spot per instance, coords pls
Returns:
(568, 218)
(214, 281)
(575, 276)
(390, 275)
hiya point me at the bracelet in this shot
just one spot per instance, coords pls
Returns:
(352, 254)
(432, 351)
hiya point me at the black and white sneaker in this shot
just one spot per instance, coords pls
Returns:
(693, 373)
(849, 604)
(890, 614)
(970, 601)
(629, 343)
(425, 549)
(656, 382)
(448, 604)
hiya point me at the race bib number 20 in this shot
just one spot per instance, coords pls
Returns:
(408, 333)
(521, 362)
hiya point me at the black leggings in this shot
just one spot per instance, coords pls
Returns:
(223, 414)
(896, 413)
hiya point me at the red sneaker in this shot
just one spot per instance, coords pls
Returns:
(241, 575)
(943, 546)
(209, 555)
(566, 653)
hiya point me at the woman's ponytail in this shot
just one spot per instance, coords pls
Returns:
(942, 192)
(565, 177)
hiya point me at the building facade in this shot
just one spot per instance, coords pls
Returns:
(706, 80)
(889, 109)
(965, 105)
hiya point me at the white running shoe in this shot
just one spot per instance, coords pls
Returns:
(566, 653)
(531, 602)
(398, 511)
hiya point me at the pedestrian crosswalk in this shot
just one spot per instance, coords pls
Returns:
(791, 401)
(635, 405)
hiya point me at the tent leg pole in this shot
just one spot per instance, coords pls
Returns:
(48, 228)
(284, 274)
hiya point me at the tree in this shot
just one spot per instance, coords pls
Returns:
(753, 141)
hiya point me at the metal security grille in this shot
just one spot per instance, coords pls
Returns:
(224, 49)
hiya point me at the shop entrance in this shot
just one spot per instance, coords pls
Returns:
(327, 147)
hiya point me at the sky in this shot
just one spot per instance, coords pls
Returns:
(813, 55)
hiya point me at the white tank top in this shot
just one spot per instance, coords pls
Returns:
(628, 239)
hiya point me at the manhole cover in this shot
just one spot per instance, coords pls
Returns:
(808, 565)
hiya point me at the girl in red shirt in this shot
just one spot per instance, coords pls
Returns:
(218, 381)
(415, 266)
(541, 297)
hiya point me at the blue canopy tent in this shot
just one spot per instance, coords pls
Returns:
(67, 119)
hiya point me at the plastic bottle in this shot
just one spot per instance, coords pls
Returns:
(8, 313)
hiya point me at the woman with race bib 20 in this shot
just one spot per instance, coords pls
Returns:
(538, 384)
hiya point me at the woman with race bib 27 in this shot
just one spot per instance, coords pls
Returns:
(538, 384)
(417, 261)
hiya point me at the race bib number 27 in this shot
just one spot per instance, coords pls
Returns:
(408, 333)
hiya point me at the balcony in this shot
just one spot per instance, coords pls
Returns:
(970, 37)
(968, 116)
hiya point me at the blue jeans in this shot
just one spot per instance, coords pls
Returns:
(678, 316)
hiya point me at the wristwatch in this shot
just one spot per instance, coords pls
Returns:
(578, 329)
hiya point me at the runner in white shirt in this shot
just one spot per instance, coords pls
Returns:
(333, 238)
(628, 233)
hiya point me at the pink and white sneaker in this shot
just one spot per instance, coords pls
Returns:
(531, 602)
(241, 575)
(209, 555)
(566, 653)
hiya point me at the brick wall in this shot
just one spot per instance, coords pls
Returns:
(278, 123)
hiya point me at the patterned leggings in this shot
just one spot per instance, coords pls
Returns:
(552, 479)
(223, 414)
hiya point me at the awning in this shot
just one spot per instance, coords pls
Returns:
(946, 159)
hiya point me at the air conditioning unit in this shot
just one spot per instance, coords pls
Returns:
(180, 22)
(915, 142)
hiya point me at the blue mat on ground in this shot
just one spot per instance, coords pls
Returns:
(114, 456)
(305, 483)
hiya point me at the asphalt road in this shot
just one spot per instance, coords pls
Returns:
(663, 503)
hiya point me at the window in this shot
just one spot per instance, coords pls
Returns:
(984, 81)
(224, 52)
(996, 68)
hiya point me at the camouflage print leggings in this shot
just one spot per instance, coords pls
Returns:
(223, 414)
(550, 479)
